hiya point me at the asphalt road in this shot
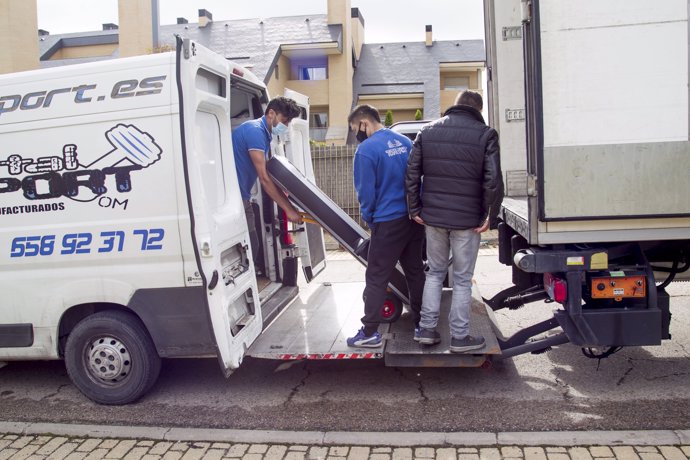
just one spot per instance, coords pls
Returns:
(638, 388)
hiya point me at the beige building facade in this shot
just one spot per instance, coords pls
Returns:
(18, 26)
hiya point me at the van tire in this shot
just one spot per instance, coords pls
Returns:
(111, 358)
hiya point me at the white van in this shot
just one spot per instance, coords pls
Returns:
(123, 235)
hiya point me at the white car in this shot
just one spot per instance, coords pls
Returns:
(409, 128)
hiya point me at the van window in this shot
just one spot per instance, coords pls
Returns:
(208, 153)
(210, 82)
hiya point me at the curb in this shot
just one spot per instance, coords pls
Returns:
(324, 438)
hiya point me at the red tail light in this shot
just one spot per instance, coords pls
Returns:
(285, 235)
(557, 288)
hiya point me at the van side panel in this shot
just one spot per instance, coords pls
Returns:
(89, 180)
(176, 320)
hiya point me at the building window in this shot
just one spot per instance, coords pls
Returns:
(313, 73)
(319, 120)
(457, 83)
(318, 124)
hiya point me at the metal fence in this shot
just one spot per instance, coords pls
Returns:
(333, 171)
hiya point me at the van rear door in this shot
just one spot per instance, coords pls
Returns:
(218, 262)
(297, 150)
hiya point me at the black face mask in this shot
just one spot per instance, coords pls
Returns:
(361, 135)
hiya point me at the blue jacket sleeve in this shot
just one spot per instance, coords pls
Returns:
(365, 185)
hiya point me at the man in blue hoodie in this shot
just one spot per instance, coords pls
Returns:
(379, 175)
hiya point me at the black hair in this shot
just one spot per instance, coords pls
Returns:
(364, 111)
(284, 106)
(471, 98)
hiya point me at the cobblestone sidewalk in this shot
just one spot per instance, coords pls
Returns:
(20, 447)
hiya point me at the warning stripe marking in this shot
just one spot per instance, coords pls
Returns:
(290, 357)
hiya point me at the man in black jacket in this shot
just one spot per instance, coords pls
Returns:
(455, 188)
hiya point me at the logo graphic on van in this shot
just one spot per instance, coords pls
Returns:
(58, 176)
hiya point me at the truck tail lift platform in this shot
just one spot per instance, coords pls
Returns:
(318, 323)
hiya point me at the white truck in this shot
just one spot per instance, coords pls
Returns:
(591, 102)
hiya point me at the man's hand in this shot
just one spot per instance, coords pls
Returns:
(293, 216)
(483, 228)
(418, 219)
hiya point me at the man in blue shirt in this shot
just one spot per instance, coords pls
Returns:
(379, 175)
(251, 144)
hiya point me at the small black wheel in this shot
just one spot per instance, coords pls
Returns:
(111, 358)
(392, 309)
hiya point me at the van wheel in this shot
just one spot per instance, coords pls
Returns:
(111, 359)
(392, 308)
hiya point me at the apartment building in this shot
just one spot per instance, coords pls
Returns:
(323, 56)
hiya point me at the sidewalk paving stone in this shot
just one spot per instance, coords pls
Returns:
(63, 451)
(601, 451)
(213, 454)
(448, 453)
(258, 449)
(21, 442)
(512, 452)
(402, 453)
(424, 452)
(625, 453)
(358, 453)
(468, 457)
(651, 456)
(160, 448)
(275, 453)
(489, 453)
(534, 453)
(557, 456)
(672, 453)
(339, 451)
(579, 453)
(89, 445)
(380, 457)
(50, 446)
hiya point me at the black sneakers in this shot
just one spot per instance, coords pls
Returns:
(429, 337)
(466, 344)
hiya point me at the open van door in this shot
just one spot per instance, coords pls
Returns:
(218, 262)
(310, 237)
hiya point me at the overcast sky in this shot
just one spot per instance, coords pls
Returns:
(385, 20)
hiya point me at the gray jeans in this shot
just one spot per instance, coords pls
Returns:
(464, 247)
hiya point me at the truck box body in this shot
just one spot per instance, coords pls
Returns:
(591, 103)
(603, 99)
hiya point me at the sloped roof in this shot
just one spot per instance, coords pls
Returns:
(49, 44)
(251, 42)
(255, 42)
(411, 67)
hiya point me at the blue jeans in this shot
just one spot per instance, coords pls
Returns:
(464, 247)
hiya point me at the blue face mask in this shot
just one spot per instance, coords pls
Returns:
(279, 130)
